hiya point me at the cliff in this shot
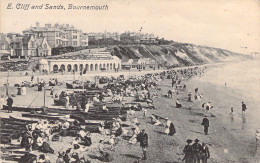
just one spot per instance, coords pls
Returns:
(177, 54)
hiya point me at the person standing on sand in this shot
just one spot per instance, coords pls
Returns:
(189, 97)
(188, 158)
(232, 114)
(144, 143)
(145, 112)
(10, 102)
(257, 137)
(243, 108)
(205, 155)
(196, 150)
(205, 123)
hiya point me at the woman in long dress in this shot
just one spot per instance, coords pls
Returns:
(23, 90)
(67, 103)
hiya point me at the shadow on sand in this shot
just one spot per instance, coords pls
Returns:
(131, 156)
(197, 132)
(160, 132)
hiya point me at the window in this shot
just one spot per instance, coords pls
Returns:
(75, 37)
(57, 34)
(74, 31)
(75, 43)
(45, 46)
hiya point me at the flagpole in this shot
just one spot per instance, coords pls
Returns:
(7, 84)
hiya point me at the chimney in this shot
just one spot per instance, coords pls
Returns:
(37, 24)
(67, 25)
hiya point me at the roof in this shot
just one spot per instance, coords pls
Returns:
(125, 59)
(135, 60)
(42, 29)
(26, 39)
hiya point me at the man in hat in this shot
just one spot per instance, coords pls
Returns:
(188, 152)
(205, 123)
(144, 143)
(243, 108)
(196, 148)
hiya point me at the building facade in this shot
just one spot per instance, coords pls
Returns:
(94, 62)
(59, 35)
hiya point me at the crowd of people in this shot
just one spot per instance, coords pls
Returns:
(39, 136)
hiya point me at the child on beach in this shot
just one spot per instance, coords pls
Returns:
(244, 108)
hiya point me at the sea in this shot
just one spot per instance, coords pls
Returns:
(243, 80)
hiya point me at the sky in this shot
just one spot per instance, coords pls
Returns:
(229, 24)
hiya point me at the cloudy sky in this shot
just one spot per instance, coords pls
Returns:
(227, 24)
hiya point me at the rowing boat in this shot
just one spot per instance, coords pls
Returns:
(22, 119)
(44, 116)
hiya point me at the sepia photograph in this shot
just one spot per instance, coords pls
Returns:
(130, 81)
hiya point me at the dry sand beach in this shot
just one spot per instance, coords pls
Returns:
(229, 140)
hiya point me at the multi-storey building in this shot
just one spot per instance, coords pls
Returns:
(105, 35)
(59, 35)
(24, 46)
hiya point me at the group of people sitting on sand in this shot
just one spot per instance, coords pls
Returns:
(169, 126)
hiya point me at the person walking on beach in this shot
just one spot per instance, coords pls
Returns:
(188, 158)
(205, 123)
(196, 151)
(257, 137)
(144, 143)
(10, 102)
(244, 108)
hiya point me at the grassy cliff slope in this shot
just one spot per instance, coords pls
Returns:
(178, 54)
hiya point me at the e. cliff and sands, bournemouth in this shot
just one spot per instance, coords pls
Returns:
(21, 6)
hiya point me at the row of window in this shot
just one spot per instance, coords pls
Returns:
(60, 42)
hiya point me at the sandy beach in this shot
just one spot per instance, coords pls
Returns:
(229, 140)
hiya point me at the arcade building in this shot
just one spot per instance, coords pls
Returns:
(101, 61)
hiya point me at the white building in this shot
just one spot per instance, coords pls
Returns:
(94, 62)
